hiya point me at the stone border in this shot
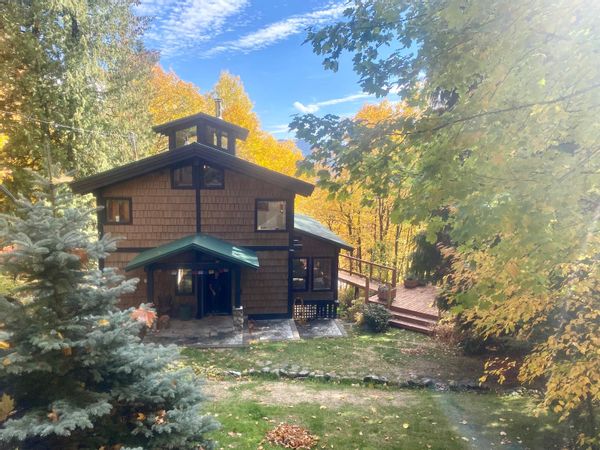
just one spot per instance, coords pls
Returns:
(297, 373)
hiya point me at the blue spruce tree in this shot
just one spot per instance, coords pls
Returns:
(70, 358)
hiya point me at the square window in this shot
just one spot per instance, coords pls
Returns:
(271, 215)
(300, 274)
(118, 210)
(185, 136)
(183, 177)
(212, 177)
(184, 282)
(321, 274)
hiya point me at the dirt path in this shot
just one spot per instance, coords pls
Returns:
(292, 393)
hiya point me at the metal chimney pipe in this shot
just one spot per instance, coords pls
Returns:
(219, 108)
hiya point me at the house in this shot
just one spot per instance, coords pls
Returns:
(207, 232)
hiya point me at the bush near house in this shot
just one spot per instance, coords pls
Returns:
(376, 317)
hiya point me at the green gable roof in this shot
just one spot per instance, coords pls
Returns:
(200, 242)
(308, 225)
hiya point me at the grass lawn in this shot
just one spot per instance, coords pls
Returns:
(348, 416)
(397, 353)
(354, 417)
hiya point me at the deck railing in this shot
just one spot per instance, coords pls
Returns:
(370, 270)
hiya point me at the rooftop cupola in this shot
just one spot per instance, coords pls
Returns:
(204, 129)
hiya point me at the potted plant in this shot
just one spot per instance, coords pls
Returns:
(411, 281)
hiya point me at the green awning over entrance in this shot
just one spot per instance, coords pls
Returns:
(200, 242)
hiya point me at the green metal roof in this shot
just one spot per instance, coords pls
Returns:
(308, 225)
(202, 243)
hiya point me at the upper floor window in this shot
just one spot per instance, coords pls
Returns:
(185, 136)
(271, 215)
(212, 177)
(322, 274)
(183, 177)
(217, 138)
(118, 210)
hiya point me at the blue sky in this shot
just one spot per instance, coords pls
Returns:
(261, 41)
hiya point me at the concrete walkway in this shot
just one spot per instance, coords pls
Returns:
(218, 331)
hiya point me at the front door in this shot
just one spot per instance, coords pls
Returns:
(216, 291)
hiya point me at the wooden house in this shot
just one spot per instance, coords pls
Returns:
(207, 232)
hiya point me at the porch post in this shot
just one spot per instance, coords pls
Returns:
(149, 284)
(238, 287)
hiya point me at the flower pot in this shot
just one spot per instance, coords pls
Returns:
(411, 283)
(383, 292)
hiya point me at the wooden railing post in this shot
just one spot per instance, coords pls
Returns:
(389, 296)
(367, 291)
(370, 270)
(394, 277)
(351, 264)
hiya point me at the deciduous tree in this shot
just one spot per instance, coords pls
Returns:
(508, 140)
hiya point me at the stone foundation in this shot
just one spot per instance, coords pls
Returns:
(238, 318)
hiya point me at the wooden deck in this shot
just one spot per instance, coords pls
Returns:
(412, 309)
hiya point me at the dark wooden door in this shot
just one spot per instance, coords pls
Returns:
(217, 292)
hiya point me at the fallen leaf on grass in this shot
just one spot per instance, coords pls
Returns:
(292, 436)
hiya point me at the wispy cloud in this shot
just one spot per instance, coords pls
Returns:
(278, 31)
(280, 129)
(314, 107)
(179, 25)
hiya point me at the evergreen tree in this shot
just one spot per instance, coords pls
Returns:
(74, 79)
(69, 357)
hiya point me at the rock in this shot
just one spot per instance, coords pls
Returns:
(371, 379)
(303, 373)
(427, 382)
(453, 385)
(276, 372)
(266, 370)
(233, 373)
(327, 376)
(319, 376)
(440, 387)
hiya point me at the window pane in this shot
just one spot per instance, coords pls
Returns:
(185, 136)
(185, 282)
(299, 274)
(117, 210)
(212, 177)
(321, 274)
(211, 135)
(270, 215)
(183, 177)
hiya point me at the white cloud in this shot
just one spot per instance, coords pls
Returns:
(278, 31)
(314, 107)
(179, 25)
(279, 129)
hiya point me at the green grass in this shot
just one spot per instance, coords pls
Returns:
(435, 420)
(393, 354)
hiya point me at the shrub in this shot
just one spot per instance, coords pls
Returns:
(376, 317)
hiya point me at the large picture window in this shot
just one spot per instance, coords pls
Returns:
(322, 274)
(185, 282)
(118, 210)
(212, 177)
(300, 274)
(271, 215)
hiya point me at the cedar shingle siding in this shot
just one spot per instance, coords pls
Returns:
(229, 213)
(162, 214)
(265, 291)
